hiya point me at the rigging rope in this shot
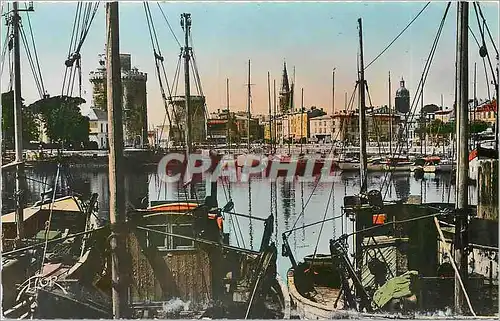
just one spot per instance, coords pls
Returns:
(330, 151)
(168, 24)
(484, 64)
(36, 76)
(49, 221)
(84, 16)
(420, 86)
(322, 225)
(35, 52)
(394, 40)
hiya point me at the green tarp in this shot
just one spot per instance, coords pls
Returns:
(397, 287)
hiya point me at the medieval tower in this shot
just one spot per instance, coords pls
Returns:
(135, 120)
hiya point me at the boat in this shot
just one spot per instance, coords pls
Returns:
(401, 262)
(177, 251)
(58, 241)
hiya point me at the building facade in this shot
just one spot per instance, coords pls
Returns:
(381, 126)
(321, 128)
(98, 127)
(485, 112)
(135, 121)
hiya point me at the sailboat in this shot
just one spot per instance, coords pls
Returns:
(402, 263)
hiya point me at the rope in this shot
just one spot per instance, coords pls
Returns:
(4, 48)
(168, 24)
(485, 24)
(31, 61)
(330, 151)
(47, 229)
(394, 40)
(34, 49)
(417, 97)
(322, 224)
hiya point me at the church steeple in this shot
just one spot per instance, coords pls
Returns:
(284, 94)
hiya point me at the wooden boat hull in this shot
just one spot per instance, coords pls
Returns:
(303, 307)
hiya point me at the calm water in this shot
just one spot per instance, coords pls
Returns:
(258, 198)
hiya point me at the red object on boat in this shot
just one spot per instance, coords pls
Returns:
(378, 219)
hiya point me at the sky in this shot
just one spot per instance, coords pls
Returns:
(312, 37)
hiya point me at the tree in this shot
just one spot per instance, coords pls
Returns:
(29, 124)
(478, 126)
(62, 119)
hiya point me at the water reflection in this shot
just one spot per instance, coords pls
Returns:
(259, 198)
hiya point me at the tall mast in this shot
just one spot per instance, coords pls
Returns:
(461, 205)
(228, 116)
(275, 107)
(117, 210)
(474, 105)
(333, 91)
(362, 112)
(390, 117)
(301, 118)
(269, 104)
(248, 107)
(186, 26)
(18, 123)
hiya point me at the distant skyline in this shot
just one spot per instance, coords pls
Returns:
(313, 37)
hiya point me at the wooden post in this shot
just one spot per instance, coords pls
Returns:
(117, 208)
(362, 111)
(248, 107)
(270, 113)
(462, 195)
(186, 25)
(18, 123)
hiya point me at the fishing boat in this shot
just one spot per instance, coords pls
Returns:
(54, 232)
(401, 259)
(178, 251)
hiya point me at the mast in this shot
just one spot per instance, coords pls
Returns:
(228, 116)
(362, 112)
(333, 104)
(275, 127)
(301, 117)
(461, 205)
(269, 105)
(18, 123)
(186, 26)
(333, 91)
(248, 107)
(390, 117)
(425, 117)
(117, 210)
(474, 105)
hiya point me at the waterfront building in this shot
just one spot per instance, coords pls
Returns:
(98, 127)
(485, 112)
(321, 128)
(217, 130)
(380, 125)
(135, 122)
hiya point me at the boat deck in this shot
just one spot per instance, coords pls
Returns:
(327, 296)
(66, 204)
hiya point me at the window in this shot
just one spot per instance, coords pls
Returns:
(167, 242)
(102, 128)
(106, 127)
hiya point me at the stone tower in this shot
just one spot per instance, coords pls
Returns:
(135, 120)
